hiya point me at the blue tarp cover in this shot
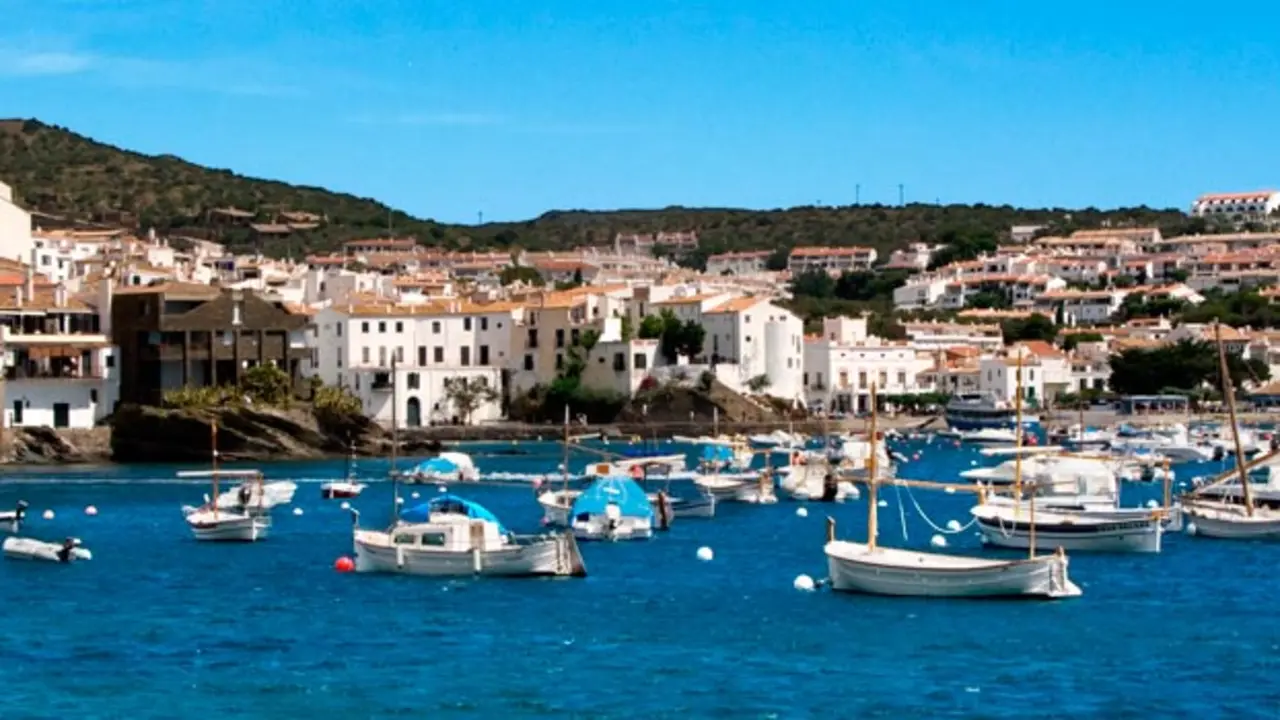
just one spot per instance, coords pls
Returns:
(622, 491)
(450, 504)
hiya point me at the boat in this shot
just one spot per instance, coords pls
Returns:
(975, 411)
(13, 518)
(453, 537)
(447, 467)
(345, 489)
(254, 494)
(750, 487)
(869, 568)
(244, 522)
(612, 508)
(1220, 517)
(67, 551)
(989, 437)
(1079, 437)
(777, 439)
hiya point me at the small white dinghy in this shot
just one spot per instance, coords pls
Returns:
(341, 490)
(70, 550)
(13, 518)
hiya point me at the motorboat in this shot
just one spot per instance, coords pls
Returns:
(1079, 437)
(612, 508)
(777, 439)
(1008, 525)
(453, 537)
(67, 551)
(347, 488)
(989, 437)
(445, 468)
(975, 411)
(13, 518)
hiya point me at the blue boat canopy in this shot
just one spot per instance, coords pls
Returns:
(621, 491)
(450, 504)
(436, 466)
(717, 453)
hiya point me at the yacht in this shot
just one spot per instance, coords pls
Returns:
(974, 411)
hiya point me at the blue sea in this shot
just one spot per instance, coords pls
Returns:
(160, 626)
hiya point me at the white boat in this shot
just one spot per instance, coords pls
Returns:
(445, 468)
(256, 496)
(210, 525)
(13, 518)
(341, 490)
(856, 567)
(1095, 530)
(989, 436)
(70, 550)
(663, 465)
(453, 537)
(613, 508)
(777, 439)
(1081, 438)
(1228, 521)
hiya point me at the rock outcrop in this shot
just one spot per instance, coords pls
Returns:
(47, 446)
(259, 434)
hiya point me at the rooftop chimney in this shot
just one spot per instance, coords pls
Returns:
(31, 276)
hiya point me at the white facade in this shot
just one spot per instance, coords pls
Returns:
(355, 348)
(1249, 205)
(919, 294)
(737, 263)
(76, 388)
(759, 339)
(15, 228)
(999, 376)
(841, 366)
(619, 366)
(828, 259)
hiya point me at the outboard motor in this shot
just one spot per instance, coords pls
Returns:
(829, 488)
(1219, 453)
(19, 514)
(65, 553)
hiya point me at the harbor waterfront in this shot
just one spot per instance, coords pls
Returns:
(270, 630)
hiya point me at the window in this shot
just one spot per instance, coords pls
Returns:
(560, 338)
(433, 539)
(532, 340)
(17, 412)
(364, 355)
(412, 380)
(528, 362)
(422, 356)
(338, 329)
(466, 323)
(641, 361)
(400, 354)
(435, 327)
(619, 362)
(902, 378)
(884, 378)
(364, 327)
(806, 380)
(438, 355)
(484, 323)
(465, 355)
(484, 355)
(573, 337)
(559, 361)
(111, 361)
(399, 327)
(93, 396)
(382, 327)
(862, 379)
(382, 357)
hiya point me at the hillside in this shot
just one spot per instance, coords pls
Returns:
(58, 172)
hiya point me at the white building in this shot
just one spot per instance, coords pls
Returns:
(430, 343)
(829, 259)
(15, 228)
(841, 365)
(1242, 205)
(751, 338)
(915, 257)
(1081, 307)
(59, 365)
(738, 263)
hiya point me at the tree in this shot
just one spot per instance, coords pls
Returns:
(1072, 340)
(1036, 327)
(690, 339)
(758, 384)
(988, 300)
(627, 330)
(520, 273)
(778, 259)
(958, 245)
(1184, 367)
(468, 395)
(814, 284)
(267, 384)
(651, 327)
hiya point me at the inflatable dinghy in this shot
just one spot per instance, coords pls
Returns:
(20, 548)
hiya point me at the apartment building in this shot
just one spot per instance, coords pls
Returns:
(830, 259)
(15, 227)
(738, 263)
(1255, 205)
(842, 363)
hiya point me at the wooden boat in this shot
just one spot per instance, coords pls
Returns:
(613, 508)
(869, 568)
(248, 522)
(451, 537)
(347, 488)
(1221, 518)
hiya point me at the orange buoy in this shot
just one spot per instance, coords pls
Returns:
(344, 564)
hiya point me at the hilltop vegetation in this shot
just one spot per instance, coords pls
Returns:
(56, 171)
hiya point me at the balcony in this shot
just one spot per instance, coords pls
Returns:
(381, 382)
(37, 373)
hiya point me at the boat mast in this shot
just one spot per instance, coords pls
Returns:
(715, 421)
(564, 458)
(395, 441)
(872, 501)
(1080, 437)
(213, 441)
(1228, 394)
(1017, 459)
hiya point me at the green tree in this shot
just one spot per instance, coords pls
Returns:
(520, 273)
(627, 330)
(1035, 327)
(651, 327)
(468, 395)
(267, 384)
(1071, 341)
(989, 300)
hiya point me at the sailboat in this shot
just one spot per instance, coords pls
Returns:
(869, 568)
(1093, 528)
(213, 522)
(1219, 517)
(346, 488)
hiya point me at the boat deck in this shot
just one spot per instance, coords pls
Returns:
(898, 558)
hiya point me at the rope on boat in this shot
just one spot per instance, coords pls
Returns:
(929, 521)
(902, 511)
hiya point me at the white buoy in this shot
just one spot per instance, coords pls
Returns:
(48, 515)
(399, 501)
(802, 512)
(949, 490)
(1190, 528)
(883, 503)
(441, 489)
(297, 511)
(91, 511)
(953, 525)
(938, 541)
(803, 583)
(414, 495)
(1153, 504)
(973, 462)
(705, 554)
(345, 505)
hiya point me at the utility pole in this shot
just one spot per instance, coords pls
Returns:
(480, 217)
(902, 197)
(857, 194)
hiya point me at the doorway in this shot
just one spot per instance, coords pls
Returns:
(413, 413)
(61, 415)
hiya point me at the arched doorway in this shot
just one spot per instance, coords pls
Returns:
(413, 413)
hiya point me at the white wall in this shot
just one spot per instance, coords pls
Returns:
(15, 228)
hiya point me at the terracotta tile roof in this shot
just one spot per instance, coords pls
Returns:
(736, 305)
(1040, 348)
(690, 299)
(172, 287)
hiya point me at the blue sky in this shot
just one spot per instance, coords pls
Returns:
(448, 108)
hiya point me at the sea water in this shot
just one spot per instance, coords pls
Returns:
(158, 625)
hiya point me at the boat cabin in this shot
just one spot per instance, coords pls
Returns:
(450, 524)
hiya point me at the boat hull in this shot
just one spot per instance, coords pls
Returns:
(19, 548)
(1230, 522)
(251, 528)
(555, 555)
(1114, 535)
(601, 527)
(906, 573)
(340, 492)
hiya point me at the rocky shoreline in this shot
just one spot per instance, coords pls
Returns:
(154, 435)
